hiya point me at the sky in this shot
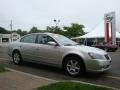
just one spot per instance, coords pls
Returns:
(41, 13)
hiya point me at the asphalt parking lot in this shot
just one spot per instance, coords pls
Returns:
(110, 78)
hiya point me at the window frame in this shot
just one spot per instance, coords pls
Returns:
(46, 35)
(27, 36)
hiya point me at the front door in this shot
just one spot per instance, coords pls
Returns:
(48, 53)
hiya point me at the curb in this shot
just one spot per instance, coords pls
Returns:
(95, 84)
(28, 74)
(39, 77)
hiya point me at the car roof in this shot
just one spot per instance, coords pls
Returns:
(46, 33)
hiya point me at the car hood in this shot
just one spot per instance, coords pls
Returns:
(88, 49)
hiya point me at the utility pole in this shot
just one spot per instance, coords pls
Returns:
(11, 25)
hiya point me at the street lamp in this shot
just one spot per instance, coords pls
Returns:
(56, 22)
(56, 25)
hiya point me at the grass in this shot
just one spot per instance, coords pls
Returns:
(2, 69)
(71, 86)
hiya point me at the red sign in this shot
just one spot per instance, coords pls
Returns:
(110, 28)
(108, 33)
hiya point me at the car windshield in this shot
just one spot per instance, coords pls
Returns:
(64, 40)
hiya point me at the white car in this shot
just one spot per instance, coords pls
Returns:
(57, 50)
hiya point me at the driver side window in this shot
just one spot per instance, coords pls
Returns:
(44, 39)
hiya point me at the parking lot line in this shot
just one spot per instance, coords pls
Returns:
(94, 84)
(114, 77)
(4, 59)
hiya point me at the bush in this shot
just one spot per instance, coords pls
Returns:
(2, 69)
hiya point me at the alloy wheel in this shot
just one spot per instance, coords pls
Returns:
(73, 67)
(16, 58)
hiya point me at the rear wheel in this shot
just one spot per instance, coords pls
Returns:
(73, 66)
(17, 57)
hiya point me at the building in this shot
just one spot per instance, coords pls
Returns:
(7, 38)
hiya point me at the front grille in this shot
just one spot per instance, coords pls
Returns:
(107, 57)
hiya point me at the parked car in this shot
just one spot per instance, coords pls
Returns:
(58, 50)
(107, 47)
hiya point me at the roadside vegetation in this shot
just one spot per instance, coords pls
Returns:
(70, 31)
(71, 86)
(2, 69)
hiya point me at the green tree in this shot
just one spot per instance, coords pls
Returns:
(19, 31)
(22, 33)
(58, 30)
(4, 31)
(54, 29)
(74, 30)
(50, 29)
(34, 30)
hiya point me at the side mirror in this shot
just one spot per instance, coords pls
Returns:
(52, 43)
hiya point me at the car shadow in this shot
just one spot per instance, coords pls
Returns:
(58, 72)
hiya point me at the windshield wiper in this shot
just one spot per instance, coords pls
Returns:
(68, 45)
(71, 44)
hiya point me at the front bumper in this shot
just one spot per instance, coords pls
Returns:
(98, 65)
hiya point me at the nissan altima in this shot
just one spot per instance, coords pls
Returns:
(57, 50)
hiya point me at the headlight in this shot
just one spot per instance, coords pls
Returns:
(95, 56)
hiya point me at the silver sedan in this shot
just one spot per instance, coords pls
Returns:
(57, 50)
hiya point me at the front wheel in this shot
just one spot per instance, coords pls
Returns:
(74, 66)
(17, 57)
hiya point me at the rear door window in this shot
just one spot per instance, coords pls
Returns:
(29, 38)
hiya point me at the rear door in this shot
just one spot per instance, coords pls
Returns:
(28, 47)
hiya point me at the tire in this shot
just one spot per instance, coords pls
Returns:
(17, 59)
(74, 66)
